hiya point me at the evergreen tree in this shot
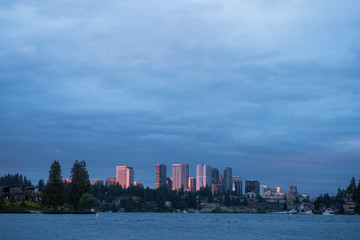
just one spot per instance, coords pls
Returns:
(340, 194)
(326, 200)
(54, 189)
(14, 179)
(41, 185)
(352, 186)
(356, 196)
(227, 200)
(80, 183)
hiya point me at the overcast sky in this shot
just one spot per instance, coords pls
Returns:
(269, 88)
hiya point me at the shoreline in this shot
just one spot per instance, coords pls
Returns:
(45, 212)
(87, 213)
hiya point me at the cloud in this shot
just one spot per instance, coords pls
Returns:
(257, 86)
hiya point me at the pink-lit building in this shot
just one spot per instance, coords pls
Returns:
(110, 181)
(97, 182)
(125, 176)
(180, 176)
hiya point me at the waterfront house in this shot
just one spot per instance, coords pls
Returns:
(20, 193)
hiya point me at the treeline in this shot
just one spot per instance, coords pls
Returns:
(136, 198)
(352, 192)
(14, 179)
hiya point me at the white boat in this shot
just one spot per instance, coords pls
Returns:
(309, 212)
(328, 212)
(292, 211)
(283, 212)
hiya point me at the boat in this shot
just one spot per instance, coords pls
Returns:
(283, 212)
(292, 211)
(309, 212)
(328, 212)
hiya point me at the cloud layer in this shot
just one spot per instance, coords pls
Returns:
(270, 89)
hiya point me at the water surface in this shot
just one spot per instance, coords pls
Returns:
(178, 226)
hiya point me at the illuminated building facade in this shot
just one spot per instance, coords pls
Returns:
(125, 176)
(180, 175)
(160, 175)
(203, 176)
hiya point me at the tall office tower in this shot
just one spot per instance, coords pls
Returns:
(252, 186)
(125, 176)
(228, 179)
(293, 190)
(237, 185)
(292, 194)
(180, 175)
(221, 180)
(263, 189)
(192, 184)
(203, 176)
(277, 190)
(215, 176)
(160, 175)
(169, 183)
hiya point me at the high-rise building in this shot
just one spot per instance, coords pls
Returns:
(138, 184)
(292, 194)
(97, 182)
(215, 176)
(293, 190)
(221, 180)
(252, 186)
(110, 181)
(192, 184)
(160, 175)
(203, 176)
(237, 185)
(228, 179)
(169, 183)
(263, 189)
(180, 175)
(125, 176)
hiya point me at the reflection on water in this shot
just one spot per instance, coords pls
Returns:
(178, 226)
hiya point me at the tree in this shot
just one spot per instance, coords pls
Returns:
(80, 183)
(14, 179)
(317, 202)
(41, 185)
(190, 200)
(2, 204)
(327, 200)
(340, 194)
(87, 200)
(356, 196)
(54, 189)
(227, 200)
(148, 196)
(352, 186)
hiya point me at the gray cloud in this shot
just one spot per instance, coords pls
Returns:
(271, 89)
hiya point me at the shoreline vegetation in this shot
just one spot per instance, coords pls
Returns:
(80, 197)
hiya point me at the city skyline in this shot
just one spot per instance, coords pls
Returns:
(205, 177)
(267, 88)
(190, 173)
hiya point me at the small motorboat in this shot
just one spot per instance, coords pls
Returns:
(328, 212)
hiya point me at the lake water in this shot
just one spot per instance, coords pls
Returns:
(178, 226)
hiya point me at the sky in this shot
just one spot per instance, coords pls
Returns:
(269, 88)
